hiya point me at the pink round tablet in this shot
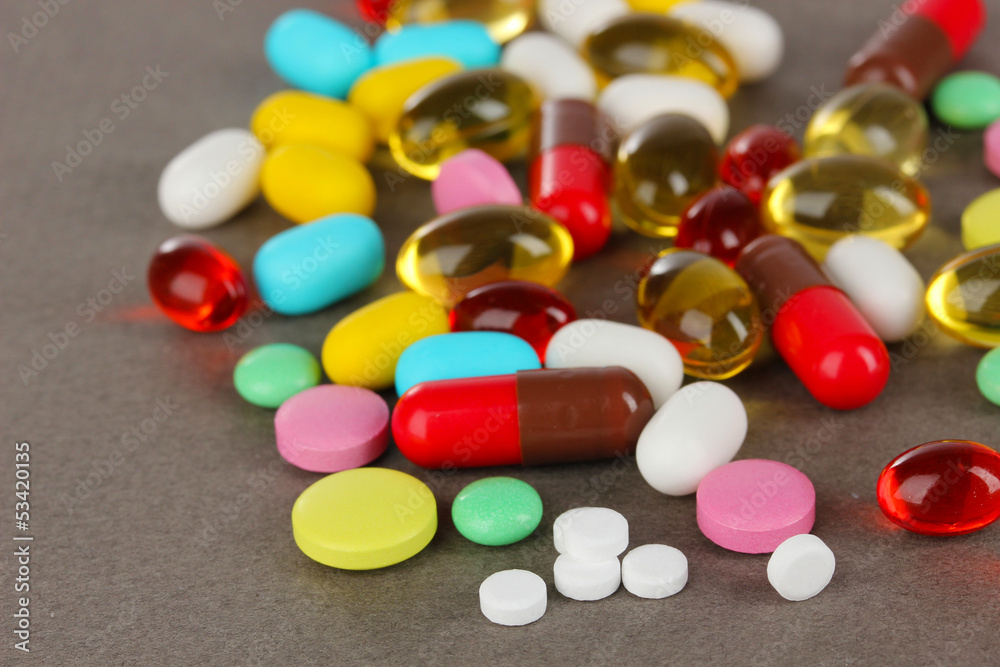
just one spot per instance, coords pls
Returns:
(332, 427)
(752, 506)
(473, 178)
(991, 147)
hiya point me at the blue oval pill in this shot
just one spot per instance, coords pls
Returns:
(468, 42)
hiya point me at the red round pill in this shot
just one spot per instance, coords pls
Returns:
(719, 223)
(753, 156)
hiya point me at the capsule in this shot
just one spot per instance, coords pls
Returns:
(455, 253)
(821, 200)
(753, 156)
(294, 117)
(466, 42)
(962, 297)
(565, 74)
(719, 223)
(487, 109)
(531, 418)
(504, 19)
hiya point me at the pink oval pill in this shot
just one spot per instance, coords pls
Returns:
(752, 506)
(991, 148)
(473, 178)
(330, 428)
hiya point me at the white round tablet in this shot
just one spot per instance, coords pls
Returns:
(586, 580)
(654, 571)
(513, 597)
(801, 567)
(590, 533)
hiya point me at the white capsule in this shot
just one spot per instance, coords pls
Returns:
(574, 20)
(654, 571)
(513, 597)
(801, 567)
(551, 66)
(590, 534)
(586, 580)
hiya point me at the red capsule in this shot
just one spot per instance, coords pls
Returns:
(196, 284)
(946, 487)
(719, 223)
(375, 10)
(753, 156)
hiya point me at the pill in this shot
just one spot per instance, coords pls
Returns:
(597, 343)
(314, 52)
(967, 100)
(801, 567)
(304, 183)
(376, 11)
(463, 355)
(654, 571)
(753, 505)
(575, 21)
(309, 267)
(585, 580)
(655, 6)
(364, 348)
(565, 74)
(753, 156)
(962, 303)
(351, 520)
(720, 222)
(880, 281)
(211, 180)
(473, 178)
(294, 117)
(531, 417)
(330, 428)
(503, 19)
(633, 99)
(513, 597)
(457, 252)
(466, 42)
(988, 376)
(196, 284)
(749, 34)
(981, 221)
(991, 148)
(705, 309)
(271, 374)
(497, 511)
(700, 428)
(591, 534)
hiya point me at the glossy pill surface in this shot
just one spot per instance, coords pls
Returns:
(196, 284)
(473, 178)
(305, 183)
(967, 100)
(466, 42)
(270, 374)
(981, 221)
(988, 376)
(565, 74)
(503, 19)
(294, 117)
(575, 21)
(497, 511)
(454, 254)
(631, 100)
(720, 223)
(753, 156)
(963, 300)
(946, 487)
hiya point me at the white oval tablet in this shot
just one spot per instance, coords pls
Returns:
(586, 580)
(700, 428)
(801, 567)
(211, 180)
(654, 571)
(551, 65)
(574, 20)
(513, 597)
(590, 533)
(635, 98)
(880, 281)
(598, 343)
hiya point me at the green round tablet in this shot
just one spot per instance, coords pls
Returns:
(270, 374)
(968, 100)
(497, 511)
(988, 375)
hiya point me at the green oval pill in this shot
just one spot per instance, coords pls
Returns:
(968, 100)
(497, 511)
(270, 374)
(988, 375)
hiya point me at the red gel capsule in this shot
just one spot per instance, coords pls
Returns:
(946, 487)
(375, 10)
(719, 223)
(525, 309)
(196, 284)
(753, 156)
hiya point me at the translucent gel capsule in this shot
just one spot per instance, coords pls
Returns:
(705, 309)
(719, 223)
(821, 200)
(488, 109)
(661, 167)
(455, 253)
(873, 119)
(963, 297)
(504, 19)
(941, 488)
(753, 156)
(655, 44)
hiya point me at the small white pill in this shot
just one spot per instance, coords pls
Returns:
(631, 100)
(584, 580)
(513, 597)
(654, 571)
(801, 567)
(590, 533)
(564, 74)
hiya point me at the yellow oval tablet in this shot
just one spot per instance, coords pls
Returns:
(365, 518)
(304, 183)
(981, 221)
(363, 348)
(294, 117)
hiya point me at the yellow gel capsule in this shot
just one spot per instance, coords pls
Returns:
(871, 119)
(654, 44)
(381, 92)
(294, 117)
(821, 200)
(705, 309)
(362, 349)
(488, 109)
(654, 6)
(304, 183)
(981, 221)
(504, 19)
(963, 297)
(457, 252)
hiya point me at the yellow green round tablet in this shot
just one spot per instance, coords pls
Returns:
(364, 519)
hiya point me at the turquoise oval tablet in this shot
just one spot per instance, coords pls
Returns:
(497, 511)
(969, 100)
(988, 376)
(465, 354)
(468, 42)
(270, 374)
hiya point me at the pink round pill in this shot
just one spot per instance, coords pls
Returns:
(752, 506)
(991, 147)
(331, 427)
(473, 178)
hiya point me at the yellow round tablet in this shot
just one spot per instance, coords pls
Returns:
(364, 519)
(981, 221)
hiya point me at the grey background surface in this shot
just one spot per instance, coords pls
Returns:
(179, 549)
